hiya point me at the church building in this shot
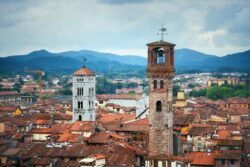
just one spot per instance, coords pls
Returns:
(84, 82)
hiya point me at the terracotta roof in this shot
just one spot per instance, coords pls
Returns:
(8, 108)
(104, 138)
(184, 119)
(69, 137)
(223, 134)
(83, 126)
(55, 129)
(238, 100)
(18, 121)
(115, 117)
(83, 71)
(97, 156)
(170, 157)
(201, 130)
(6, 93)
(143, 121)
(228, 154)
(202, 158)
(40, 161)
(118, 96)
(66, 163)
(230, 142)
(120, 127)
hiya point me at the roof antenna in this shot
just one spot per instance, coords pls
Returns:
(84, 62)
(163, 31)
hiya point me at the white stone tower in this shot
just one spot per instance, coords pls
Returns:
(84, 95)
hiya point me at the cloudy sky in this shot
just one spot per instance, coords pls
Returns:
(123, 26)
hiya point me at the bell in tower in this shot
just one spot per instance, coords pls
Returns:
(160, 72)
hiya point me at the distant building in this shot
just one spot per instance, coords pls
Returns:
(140, 102)
(9, 96)
(222, 81)
(84, 95)
(180, 100)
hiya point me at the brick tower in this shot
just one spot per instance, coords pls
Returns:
(160, 72)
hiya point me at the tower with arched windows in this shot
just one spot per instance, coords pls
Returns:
(160, 72)
(84, 95)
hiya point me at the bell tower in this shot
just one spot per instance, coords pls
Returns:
(160, 72)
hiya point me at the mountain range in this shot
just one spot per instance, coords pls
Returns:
(67, 62)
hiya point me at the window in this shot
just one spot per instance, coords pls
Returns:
(158, 106)
(161, 84)
(79, 117)
(158, 55)
(232, 161)
(155, 84)
(79, 105)
(223, 162)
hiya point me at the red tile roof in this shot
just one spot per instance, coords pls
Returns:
(223, 134)
(115, 117)
(97, 156)
(69, 137)
(83, 71)
(104, 138)
(83, 126)
(118, 96)
(202, 158)
(228, 154)
(5, 93)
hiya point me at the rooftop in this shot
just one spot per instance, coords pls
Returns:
(83, 71)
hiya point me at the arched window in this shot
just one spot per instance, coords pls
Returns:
(80, 118)
(155, 84)
(158, 106)
(158, 56)
(79, 105)
(161, 84)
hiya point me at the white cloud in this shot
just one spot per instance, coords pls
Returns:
(214, 27)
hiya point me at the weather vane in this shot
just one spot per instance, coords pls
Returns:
(163, 31)
(84, 62)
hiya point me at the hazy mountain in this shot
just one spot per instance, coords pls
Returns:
(67, 62)
(98, 56)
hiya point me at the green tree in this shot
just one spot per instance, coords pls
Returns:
(65, 91)
(198, 93)
(176, 89)
(217, 92)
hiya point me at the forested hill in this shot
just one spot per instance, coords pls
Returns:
(67, 62)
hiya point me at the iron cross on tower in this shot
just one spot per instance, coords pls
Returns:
(163, 31)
